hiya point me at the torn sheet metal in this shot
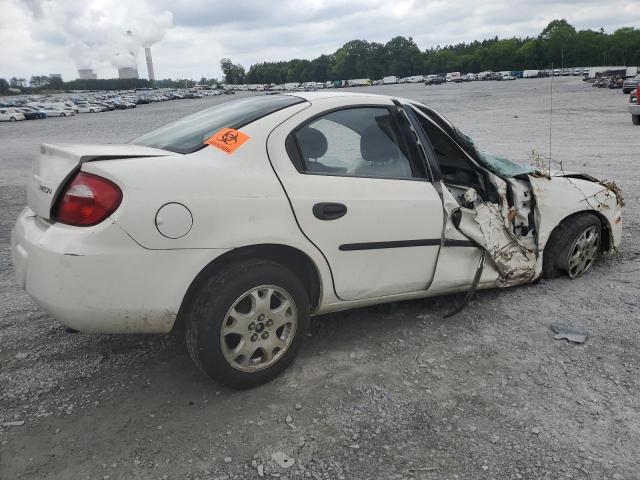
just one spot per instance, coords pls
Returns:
(485, 225)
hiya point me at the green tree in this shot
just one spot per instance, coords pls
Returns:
(624, 46)
(233, 74)
(4, 86)
(39, 81)
(557, 37)
(17, 82)
(56, 83)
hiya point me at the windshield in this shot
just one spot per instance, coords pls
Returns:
(497, 164)
(187, 134)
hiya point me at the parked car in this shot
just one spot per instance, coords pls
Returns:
(630, 84)
(434, 80)
(89, 108)
(31, 113)
(310, 203)
(11, 115)
(57, 111)
(634, 106)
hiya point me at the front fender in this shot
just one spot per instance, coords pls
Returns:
(559, 197)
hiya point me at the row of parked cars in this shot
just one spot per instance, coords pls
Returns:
(34, 107)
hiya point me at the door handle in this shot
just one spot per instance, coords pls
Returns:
(329, 211)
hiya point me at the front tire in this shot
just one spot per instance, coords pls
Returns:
(635, 119)
(245, 323)
(12, 119)
(573, 246)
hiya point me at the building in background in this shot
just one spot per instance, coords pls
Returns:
(86, 74)
(128, 72)
(147, 54)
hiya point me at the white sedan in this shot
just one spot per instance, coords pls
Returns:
(57, 111)
(89, 108)
(239, 222)
(11, 115)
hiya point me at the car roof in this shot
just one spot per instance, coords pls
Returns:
(354, 96)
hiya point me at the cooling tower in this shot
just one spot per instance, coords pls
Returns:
(147, 54)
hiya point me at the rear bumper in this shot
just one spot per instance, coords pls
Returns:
(634, 109)
(97, 279)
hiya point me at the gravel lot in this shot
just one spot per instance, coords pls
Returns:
(394, 391)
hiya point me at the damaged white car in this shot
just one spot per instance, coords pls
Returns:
(239, 222)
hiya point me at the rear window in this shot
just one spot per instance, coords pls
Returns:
(187, 134)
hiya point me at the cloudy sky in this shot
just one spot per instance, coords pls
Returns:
(188, 37)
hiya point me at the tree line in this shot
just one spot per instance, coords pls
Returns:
(559, 44)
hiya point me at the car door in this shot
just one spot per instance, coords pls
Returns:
(359, 195)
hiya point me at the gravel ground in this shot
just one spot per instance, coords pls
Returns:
(388, 392)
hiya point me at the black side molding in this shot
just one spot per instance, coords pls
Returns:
(424, 242)
(448, 242)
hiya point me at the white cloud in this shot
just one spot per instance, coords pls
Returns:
(57, 36)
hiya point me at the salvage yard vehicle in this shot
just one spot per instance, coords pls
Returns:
(630, 84)
(89, 108)
(634, 106)
(434, 80)
(11, 115)
(57, 111)
(31, 113)
(241, 221)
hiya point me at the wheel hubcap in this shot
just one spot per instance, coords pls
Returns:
(258, 328)
(583, 252)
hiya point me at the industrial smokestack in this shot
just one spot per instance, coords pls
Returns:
(147, 54)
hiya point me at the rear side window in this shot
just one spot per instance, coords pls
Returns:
(358, 142)
(187, 134)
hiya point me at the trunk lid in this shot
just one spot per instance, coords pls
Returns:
(55, 164)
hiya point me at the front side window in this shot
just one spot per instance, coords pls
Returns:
(455, 166)
(188, 134)
(359, 142)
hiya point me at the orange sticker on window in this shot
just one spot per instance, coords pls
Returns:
(228, 139)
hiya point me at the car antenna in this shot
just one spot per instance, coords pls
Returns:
(551, 122)
(550, 116)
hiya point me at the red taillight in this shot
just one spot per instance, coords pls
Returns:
(87, 200)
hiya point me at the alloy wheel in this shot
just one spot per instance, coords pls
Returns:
(583, 252)
(258, 328)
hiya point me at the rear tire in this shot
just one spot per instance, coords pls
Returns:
(635, 119)
(12, 119)
(245, 323)
(572, 246)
